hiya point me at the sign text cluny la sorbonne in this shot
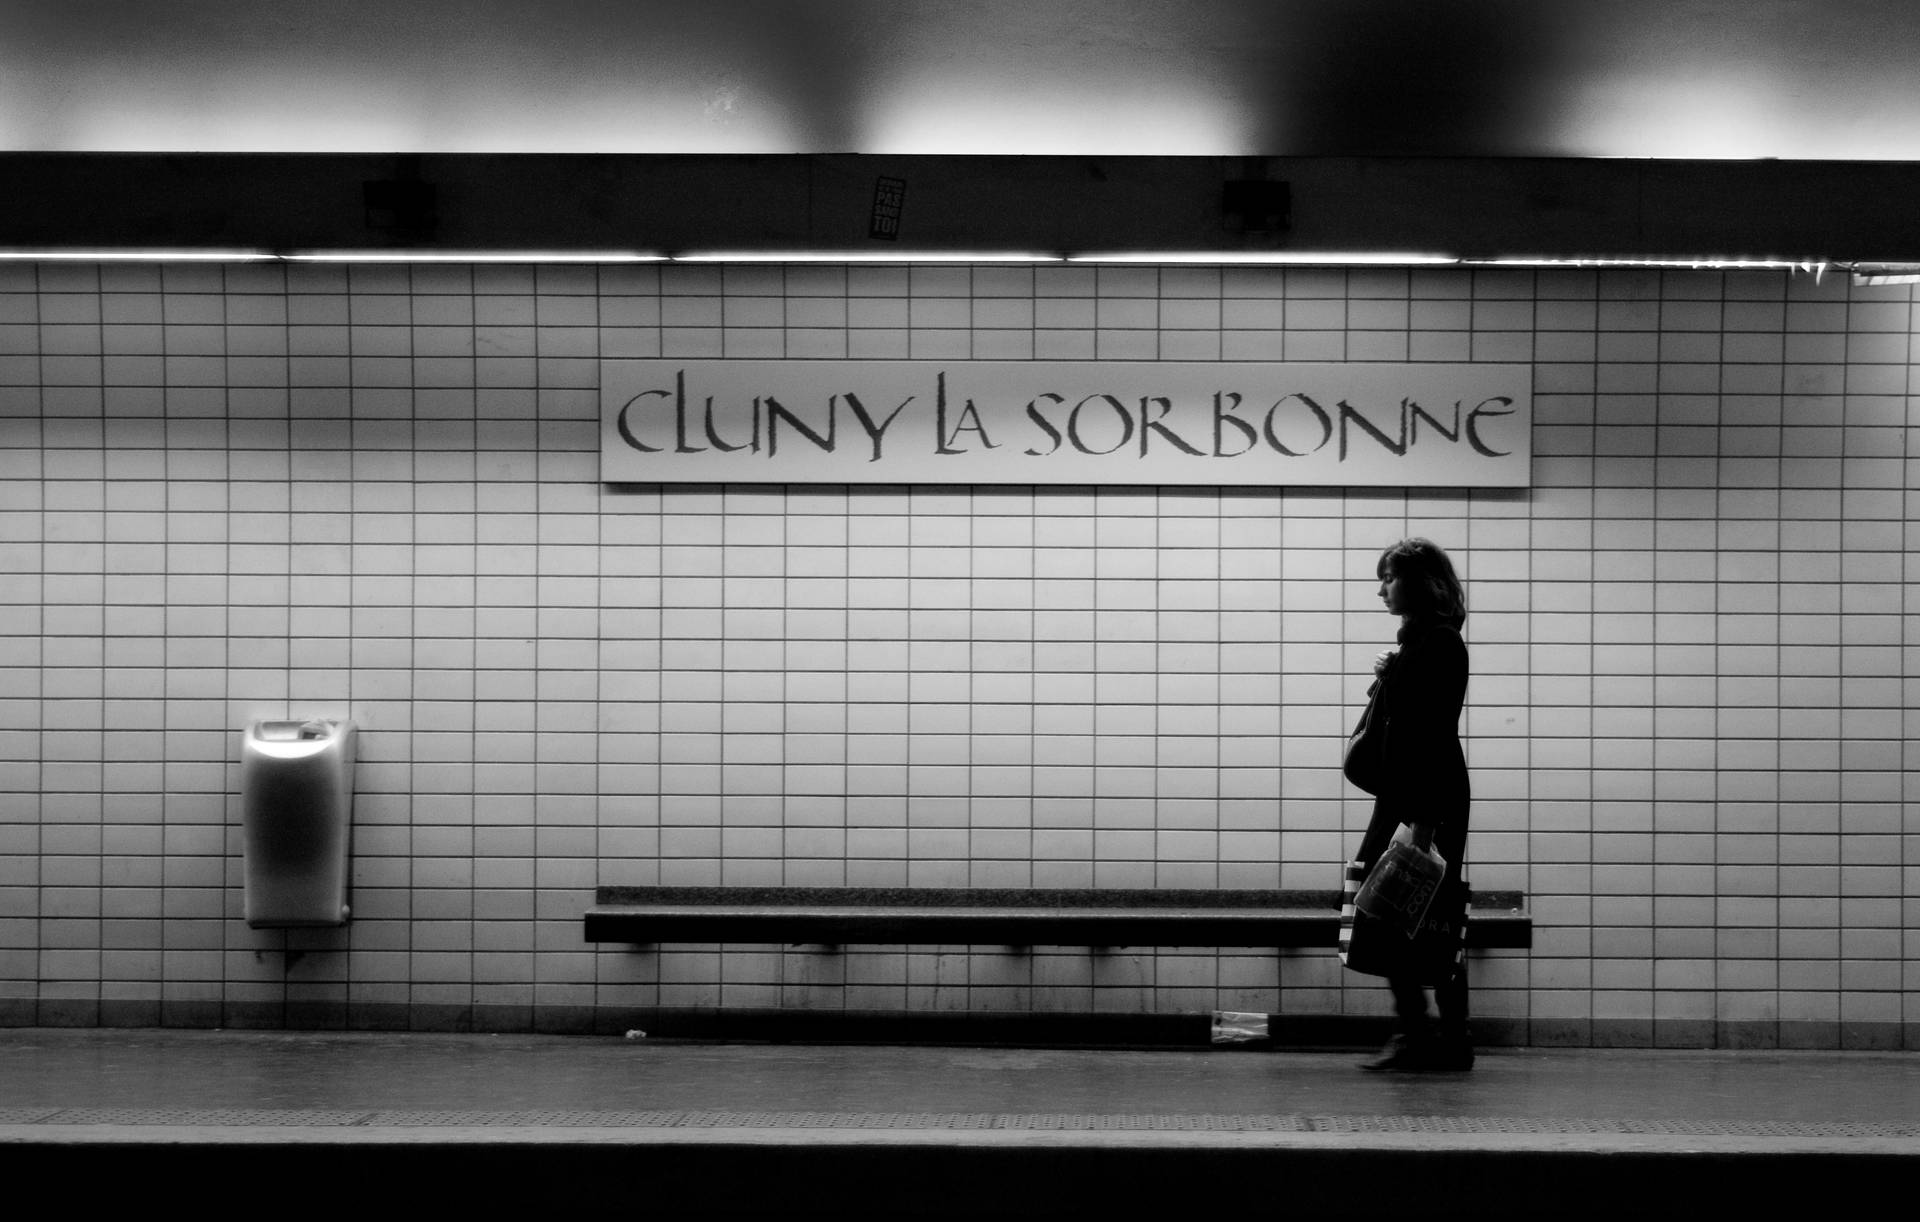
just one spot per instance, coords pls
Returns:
(1066, 422)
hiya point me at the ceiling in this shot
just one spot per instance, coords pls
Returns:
(1687, 79)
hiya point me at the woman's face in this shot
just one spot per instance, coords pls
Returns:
(1393, 593)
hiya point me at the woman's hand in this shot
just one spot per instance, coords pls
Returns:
(1383, 660)
(1421, 836)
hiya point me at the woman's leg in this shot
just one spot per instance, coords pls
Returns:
(1412, 1035)
(1417, 1043)
(1409, 1007)
(1453, 1045)
(1451, 997)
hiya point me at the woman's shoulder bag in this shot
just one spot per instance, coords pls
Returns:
(1365, 762)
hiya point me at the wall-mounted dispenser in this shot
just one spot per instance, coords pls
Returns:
(296, 803)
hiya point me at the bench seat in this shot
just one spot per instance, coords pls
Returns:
(959, 916)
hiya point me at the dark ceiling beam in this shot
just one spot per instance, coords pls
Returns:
(1465, 207)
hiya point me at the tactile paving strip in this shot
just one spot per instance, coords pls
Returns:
(204, 1117)
(530, 1118)
(1006, 1122)
(25, 1115)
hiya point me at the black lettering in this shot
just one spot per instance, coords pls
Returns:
(713, 435)
(940, 431)
(1222, 417)
(874, 431)
(1319, 413)
(1421, 413)
(753, 438)
(626, 430)
(1153, 425)
(680, 445)
(1349, 413)
(968, 412)
(944, 436)
(1473, 425)
(1119, 409)
(777, 411)
(1046, 425)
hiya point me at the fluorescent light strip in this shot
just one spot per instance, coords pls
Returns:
(323, 256)
(1272, 258)
(1703, 263)
(1214, 258)
(135, 256)
(804, 256)
(469, 256)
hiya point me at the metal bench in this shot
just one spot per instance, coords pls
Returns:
(957, 916)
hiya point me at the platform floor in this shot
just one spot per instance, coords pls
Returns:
(700, 1129)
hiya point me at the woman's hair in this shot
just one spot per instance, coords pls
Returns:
(1433, 593)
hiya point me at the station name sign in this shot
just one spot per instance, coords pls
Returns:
(1464, 425)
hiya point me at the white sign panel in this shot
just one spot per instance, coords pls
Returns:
(1066, 422)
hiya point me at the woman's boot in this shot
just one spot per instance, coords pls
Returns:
(1412, 1042)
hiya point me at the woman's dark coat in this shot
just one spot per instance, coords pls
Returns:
(1425, 768)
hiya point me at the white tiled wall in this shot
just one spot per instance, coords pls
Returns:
(254, 491)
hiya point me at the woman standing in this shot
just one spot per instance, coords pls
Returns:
(1423, 777)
